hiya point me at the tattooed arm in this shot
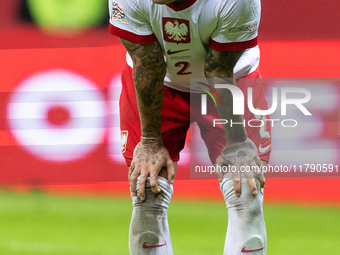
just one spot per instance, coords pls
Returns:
(239, 150)
(219, 66)
(149, 156)
(148, 75)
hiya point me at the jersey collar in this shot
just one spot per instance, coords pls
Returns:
(182, 6)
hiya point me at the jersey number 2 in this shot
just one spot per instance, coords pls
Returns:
(184, 68)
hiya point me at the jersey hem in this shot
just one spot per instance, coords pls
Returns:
(141, 39)
(233, 46)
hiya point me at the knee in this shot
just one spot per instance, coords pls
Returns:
(247, 206)
(159, 200)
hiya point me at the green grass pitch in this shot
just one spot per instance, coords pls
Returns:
(37, 223)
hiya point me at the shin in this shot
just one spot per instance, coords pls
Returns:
(246, 231)
(149, 230)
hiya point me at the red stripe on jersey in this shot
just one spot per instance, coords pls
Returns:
(233, 46)
(182, 6)
(141, 39)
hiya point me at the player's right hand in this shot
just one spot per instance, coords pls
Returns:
(242, 158)
(149, 157)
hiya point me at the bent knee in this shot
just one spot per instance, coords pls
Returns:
(155, 200)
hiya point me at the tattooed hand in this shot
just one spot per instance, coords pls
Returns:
(148, 160)
(242, 159)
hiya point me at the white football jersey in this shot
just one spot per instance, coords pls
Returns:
(186, 31)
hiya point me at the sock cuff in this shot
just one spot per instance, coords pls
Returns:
(163, 198)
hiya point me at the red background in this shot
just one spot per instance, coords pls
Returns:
(298, 39)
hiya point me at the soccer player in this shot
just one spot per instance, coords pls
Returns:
(168, 43)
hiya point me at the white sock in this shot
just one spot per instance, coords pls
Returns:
(149, 229)
(246, 231)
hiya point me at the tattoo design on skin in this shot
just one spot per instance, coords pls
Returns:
(221, 63)
(151, 153)
(219, 67)
(238, 154)
(149, 70)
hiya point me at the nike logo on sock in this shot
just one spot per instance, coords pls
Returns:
(176, 51)
(152, 246)
(249, 251)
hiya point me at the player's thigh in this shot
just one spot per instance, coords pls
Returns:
(129, 116)
(258, 127)
(175, 118)
(212, 135)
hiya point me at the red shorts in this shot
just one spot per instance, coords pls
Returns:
(177, 116)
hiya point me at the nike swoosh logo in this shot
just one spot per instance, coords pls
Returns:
(249, 251)
(262, 150)
(176, 51)
(152, 246)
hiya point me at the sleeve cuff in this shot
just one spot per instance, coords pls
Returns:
(141, 39)
(233, 46)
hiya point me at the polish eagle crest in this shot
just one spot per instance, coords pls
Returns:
(176, 31)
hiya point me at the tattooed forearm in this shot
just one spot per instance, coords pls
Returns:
(219, 66)
(148, 75)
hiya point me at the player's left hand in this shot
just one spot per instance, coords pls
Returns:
(149, 158)
(241, 158)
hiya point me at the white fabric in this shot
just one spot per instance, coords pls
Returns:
(247, 63)
(211, 19)
(246, 228)
(230, 16)
(149, 230)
